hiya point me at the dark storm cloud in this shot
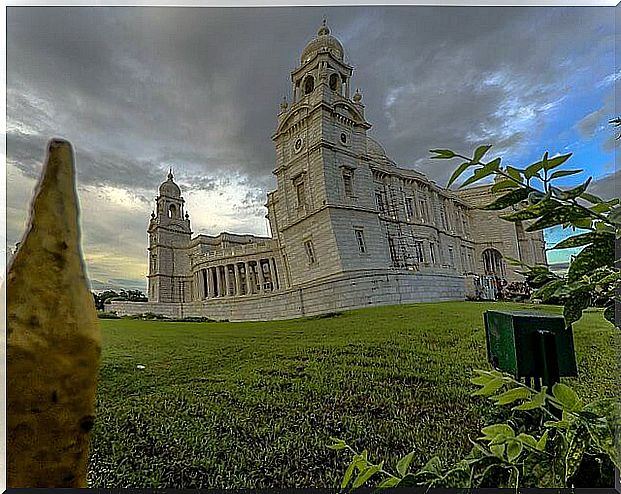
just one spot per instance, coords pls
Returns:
(140, 89)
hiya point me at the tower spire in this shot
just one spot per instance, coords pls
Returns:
(324, 29)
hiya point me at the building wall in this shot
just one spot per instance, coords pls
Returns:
(342, 292)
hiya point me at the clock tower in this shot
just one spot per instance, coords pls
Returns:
(324, 205)
(169, 278)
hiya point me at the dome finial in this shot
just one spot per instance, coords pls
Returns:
(170, 174)
(324, 29)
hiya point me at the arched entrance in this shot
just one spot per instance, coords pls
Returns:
(493, 263)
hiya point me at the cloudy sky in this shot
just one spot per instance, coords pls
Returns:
(138, 90)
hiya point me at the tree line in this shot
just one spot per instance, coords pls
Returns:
(108, 296)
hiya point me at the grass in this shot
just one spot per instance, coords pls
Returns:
(252, 405)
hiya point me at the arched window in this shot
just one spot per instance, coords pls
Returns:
(493, 263)
(309, 84)
(172, 211)
(334, 82)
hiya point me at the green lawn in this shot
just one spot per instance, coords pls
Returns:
(253, 404)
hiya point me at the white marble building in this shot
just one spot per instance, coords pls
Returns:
(349, 227)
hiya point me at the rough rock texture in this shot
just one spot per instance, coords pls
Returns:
(53, 341)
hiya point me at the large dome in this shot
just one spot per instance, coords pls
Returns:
(170, 188)
(324, 41)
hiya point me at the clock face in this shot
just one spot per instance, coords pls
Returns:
(298, 144)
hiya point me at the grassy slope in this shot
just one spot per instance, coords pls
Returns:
(253, 404)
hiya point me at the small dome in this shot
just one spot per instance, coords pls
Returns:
(323, 41)
(374, 148)
(170, 188)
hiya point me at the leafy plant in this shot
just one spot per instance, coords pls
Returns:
(532, 195)
(550, 440)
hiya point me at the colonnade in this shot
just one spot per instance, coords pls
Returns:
(236, 279)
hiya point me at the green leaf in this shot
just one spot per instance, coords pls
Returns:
(514, 448)
(365, 475)
(563, 173)
(576, 191)
(480, 152)
(594, 199)
(556, 161)
(490, 388)
(348, 474)
(503, 185)
(572, 310)
(533, 169)
(600, 253)
(338, 444)
(512, 395)
(481, 380)
(533, 211)
(434, 465)
(557, 424)
(567, 397)
(615, 216)
(548, 290)
(442, 154)
(602, 428)
(559, 216)
(508, 199)
(498, 450)
(541, 444)
(404, 463)
(603, 207)
(456, 174)
(514, 173)
(537, 401)
(527, 439)
(492, 431)
(389, 482)
(603, 436)
(575, 241)
(482, 172)
(577, 445)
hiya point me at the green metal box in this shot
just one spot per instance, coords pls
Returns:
(512, 342)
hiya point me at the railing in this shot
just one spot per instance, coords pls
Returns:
(241, 250)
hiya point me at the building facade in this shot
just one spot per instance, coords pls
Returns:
(349, 227)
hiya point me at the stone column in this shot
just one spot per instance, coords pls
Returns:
(238, 291)
(219, 281)
(275, 275)
(261, 277)
(248, 282)
(227, 281)
(210, 283)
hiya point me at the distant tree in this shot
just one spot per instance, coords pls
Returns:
(107, 295)
(128, 295)
(136, 296)
(98, 301)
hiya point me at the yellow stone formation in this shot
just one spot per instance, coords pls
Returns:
(53, 341)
